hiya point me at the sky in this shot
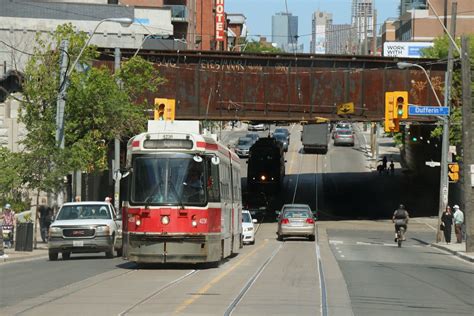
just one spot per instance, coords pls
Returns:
(259, 14)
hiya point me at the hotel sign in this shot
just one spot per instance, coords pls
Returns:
(220, 20)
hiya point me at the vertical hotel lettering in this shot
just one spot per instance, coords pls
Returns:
(220, 20)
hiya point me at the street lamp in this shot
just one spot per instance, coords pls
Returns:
(443, 187)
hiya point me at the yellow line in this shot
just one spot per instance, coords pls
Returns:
(206, 287)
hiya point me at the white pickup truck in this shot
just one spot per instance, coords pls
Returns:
(85, 227)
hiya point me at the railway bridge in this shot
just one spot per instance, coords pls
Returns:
(214, 85)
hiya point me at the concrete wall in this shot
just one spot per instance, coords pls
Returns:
(11, 132)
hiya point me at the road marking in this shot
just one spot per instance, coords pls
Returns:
(342, 256)
(322, 281)
(216, 280)
(363, 243)
(335, 242)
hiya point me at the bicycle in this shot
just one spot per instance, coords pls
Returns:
(400, 236)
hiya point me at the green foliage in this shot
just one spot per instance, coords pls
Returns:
(258, 47)
(440, 51)
(11, 189)
(97, 109)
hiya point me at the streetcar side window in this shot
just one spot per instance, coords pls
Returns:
(213, 182)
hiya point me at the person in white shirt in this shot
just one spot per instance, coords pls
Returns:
(458, 221)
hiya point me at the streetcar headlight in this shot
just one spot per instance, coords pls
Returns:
(138, 222)
(263, 178)
(165, 220)
(194, 223)
(55, 232)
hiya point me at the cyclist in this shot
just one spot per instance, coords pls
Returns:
(400, 218)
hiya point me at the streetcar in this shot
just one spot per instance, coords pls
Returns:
(266, 166)
(183, 203)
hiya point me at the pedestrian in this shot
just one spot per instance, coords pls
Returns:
(108, 199)
(45, 214)
(77, 198)
(384, 163)
(458, 221)
(447, 224)
(392, 167)
(8, 225)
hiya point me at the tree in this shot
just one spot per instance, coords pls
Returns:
(97, 109)
(440, 51)
(11, 189)
(259, 47)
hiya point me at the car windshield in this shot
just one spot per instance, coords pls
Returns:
(343, 126)
(280, 137)
(72, 212)
(246, 218)
(244, 141)
(281, 130)
(168, 180)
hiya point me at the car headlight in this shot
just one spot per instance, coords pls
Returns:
(104, 229)
(55, 232)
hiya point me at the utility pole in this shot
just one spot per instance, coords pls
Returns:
(444, 185)
(60, 105)
(116, 164)
(467, 141)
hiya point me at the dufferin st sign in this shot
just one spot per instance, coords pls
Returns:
(220, 20)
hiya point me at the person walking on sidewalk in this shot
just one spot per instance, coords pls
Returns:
(447, 224)
(458, 221)
(8, 225)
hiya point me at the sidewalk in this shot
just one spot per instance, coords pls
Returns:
(456, 249)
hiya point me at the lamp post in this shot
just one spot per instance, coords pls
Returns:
(443, 182)
(63, 84)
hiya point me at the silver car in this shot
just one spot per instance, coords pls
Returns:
(85, 227)
(344, 137)
(296, 220)
(243, 146)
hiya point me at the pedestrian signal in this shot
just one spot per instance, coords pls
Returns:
(453, 172)
(164, 109)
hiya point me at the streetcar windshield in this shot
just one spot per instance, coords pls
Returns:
(168, 180)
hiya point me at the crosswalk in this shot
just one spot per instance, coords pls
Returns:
(363, 243)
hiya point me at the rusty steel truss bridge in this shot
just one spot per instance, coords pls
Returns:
(216, 85)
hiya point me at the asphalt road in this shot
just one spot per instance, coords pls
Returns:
(352, 269)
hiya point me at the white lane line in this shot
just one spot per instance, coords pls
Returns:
(342, 256)
(364, 243)
(336, 242)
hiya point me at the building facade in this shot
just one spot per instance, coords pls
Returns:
(321, 22)
(424, 25)
(339, 39)
(363, 22)
(285, 31)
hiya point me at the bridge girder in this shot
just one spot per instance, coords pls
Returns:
(214, 85)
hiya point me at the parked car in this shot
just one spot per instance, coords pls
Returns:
(344, 137)
(85, 227)
(282, 139)
(257, 126)
(284, 131)
(296, 220)
(243, 146)
(248, 228)
(253, 136)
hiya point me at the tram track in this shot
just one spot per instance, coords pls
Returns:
(250, 282)
(158, 291)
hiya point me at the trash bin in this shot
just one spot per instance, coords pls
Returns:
(24, 237)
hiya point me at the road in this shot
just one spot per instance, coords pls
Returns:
(353, 268)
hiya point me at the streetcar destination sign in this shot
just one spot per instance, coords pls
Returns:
(428, 110)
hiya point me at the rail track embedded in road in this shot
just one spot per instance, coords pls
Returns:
(250, 282)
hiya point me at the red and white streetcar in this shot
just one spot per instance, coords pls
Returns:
(183, 203)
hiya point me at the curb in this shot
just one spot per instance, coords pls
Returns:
(454, 252)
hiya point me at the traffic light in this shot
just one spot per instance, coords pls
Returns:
(400, 110)
(453, 172)
(164, 109)
(391, 124)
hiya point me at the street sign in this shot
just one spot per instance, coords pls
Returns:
(428, 110)
(433, 163)
(345, 108)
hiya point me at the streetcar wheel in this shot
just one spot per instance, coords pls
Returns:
(312, 238)
(280, 237)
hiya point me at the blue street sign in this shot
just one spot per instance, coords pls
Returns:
(428, 110)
